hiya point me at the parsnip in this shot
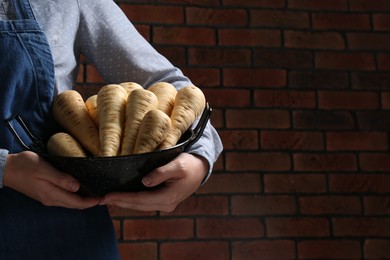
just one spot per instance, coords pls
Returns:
(153, 129)
(130, 86)
(91, 104)
(63, 144)
(111, 102)
(189, 104)
(70, 112)
(166, 94)
(139, 102)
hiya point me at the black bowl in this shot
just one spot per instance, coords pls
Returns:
(101, 175)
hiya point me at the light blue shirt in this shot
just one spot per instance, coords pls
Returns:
(100, 31)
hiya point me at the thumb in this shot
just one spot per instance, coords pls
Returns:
(157, 176)
(64, 181)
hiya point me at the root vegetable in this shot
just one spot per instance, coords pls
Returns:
(166, 94)
(130, 86)
(139, 102)
(91, 104)
(63, 144)
(189, 104)
(111, 102)
(153, 129)
(70, 112)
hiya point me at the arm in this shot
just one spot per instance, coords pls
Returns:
(120, 53)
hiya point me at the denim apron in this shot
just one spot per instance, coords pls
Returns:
(28, 229)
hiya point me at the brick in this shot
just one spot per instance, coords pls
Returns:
(329, 249)
(374, 120)
(335, 5)
(376, 162)
(344, 61)
(260, 161)
(323, 120)
(350, 100)
(263, 249)
(359, 183)
(203, 77)
(144, 30)
(279, 18)
(384, 61)
(381, 22)
(385, 100)
(284, 98)
(250, 37)
(184, 36)
(370, 80)
(368, 41)
(356, 141)
(341, 21)
(250, 205)
(176, 55)
(294, 183)
(81, 74)
(232, 183)
(148, 13)
(376, 205)
(123, 212)
(283, 58)
(376, 249)
(229, 228)
(297, 227)
(292, 140)
(216, 17)
(330, 205)
(255, 3)
(217, 118)
(239, 139)
(314, 40)
(318, 79)
(216, 250)
(93, 75)
(363, 226)
(146, 229)
(204, 205)
(325, 162)
(191, 2)
(219, 57)
(364, 5)
(254, 77)
(250, 118)
(219, 165)
(144, 251)
(225, 98)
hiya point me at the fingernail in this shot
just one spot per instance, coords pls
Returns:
(147, 180)
(74, 186)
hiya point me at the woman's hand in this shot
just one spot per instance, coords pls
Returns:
(179, 179)
(31, 175)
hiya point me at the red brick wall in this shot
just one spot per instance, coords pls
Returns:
(301, 97)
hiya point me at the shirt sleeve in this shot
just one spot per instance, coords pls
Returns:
(3, 158)
(110, 41)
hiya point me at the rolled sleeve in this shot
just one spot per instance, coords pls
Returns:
(3, 158)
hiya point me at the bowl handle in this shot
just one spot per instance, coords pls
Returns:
(36, 146)
(199, 128)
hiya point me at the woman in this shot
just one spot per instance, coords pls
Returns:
(41, 215)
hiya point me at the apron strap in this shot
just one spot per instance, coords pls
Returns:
(23, 9)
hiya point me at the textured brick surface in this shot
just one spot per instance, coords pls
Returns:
(300, 97)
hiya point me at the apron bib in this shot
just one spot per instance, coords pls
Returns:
(28, 229)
